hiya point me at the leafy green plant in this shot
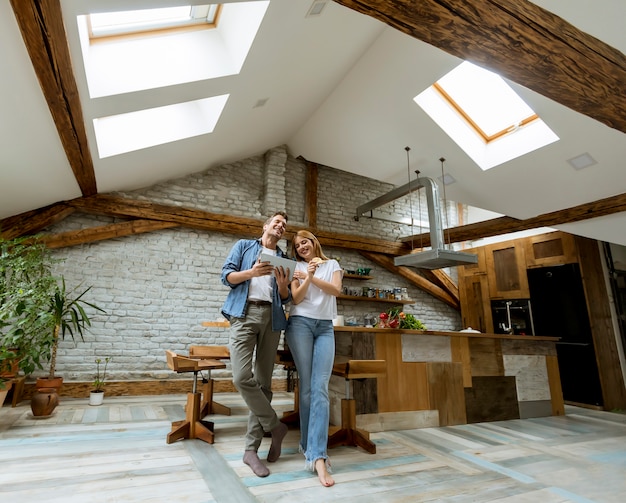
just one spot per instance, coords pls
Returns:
(98, 383)
(68, 316)
(36, 309)
(26, 286)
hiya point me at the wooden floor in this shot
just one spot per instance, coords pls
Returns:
(117, 453)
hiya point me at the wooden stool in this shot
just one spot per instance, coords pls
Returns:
(284, 357)
(192, 426)
(18, 390)
(208, 406)
(349, 434)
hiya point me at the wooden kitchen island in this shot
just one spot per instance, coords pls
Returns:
(445, 378)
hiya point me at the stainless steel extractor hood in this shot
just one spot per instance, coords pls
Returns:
(437, 257)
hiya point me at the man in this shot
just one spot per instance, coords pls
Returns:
(254, 307)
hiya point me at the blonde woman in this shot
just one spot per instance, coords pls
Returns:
(311, 339)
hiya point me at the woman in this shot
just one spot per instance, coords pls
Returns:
(311, 339)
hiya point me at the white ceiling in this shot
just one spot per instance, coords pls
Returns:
(340, 89)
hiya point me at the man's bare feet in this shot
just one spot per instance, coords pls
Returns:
(322, 473)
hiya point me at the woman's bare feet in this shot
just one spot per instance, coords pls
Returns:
(322, 473)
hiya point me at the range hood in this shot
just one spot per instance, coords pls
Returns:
(437, 257)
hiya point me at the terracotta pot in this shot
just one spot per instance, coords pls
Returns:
(44, 401)
(47, 383)
(10, 367)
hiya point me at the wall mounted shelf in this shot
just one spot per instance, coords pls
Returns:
(374, 299)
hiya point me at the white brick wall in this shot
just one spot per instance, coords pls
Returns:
(157, 288)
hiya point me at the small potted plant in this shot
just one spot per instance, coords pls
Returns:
(96, 396)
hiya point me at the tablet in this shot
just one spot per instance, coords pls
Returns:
(279, 261)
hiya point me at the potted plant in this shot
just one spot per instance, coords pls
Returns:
(96, 396)
(26, 286)
(36, 309)
(66, 314)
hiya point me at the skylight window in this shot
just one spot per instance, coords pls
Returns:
(118, 134)
(109, 24)
(126, 64)
(484, 116)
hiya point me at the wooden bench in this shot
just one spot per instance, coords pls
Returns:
(208, 405)
(348, 433)
(192, 426)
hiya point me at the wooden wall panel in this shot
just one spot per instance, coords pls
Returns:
(486, 357)
(405, 386)
(446, 392)
(491, 399)
(461, 354)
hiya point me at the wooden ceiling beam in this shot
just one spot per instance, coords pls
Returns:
(414, 278)
(520, 41)
(101, 233)
(504, 225)
(41, 25)
(129, 208)
(31, 222)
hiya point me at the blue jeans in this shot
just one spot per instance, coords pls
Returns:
(312, 345)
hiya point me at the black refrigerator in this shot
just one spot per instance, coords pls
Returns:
(559, 309)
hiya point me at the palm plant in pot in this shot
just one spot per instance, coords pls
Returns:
(96, 396)
(67, 315)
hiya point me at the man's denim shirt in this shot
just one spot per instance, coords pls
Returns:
(242, 256)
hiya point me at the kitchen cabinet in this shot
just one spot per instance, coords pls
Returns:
(510, 264)
(478, 268)
(554, 248)
(506, 270)
(475, 305)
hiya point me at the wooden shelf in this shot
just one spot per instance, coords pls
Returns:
(374, 299)
(357, 276)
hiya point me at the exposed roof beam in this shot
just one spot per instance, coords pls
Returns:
(41, 24)
(520, 41)
(504, 225)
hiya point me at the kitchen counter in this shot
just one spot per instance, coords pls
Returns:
(465, 377)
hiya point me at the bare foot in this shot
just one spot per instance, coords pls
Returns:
(322, 473)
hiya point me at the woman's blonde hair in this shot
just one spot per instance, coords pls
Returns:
(317, 247)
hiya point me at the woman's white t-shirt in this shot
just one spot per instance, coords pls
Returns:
(316, 303)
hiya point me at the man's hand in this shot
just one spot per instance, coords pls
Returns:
(282, 281)
(261, 269)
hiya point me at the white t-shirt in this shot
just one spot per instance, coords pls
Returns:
(316, 303)
(261, 286)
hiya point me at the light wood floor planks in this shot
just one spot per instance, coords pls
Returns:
(117, 453)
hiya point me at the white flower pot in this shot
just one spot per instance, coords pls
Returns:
(96, 397)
